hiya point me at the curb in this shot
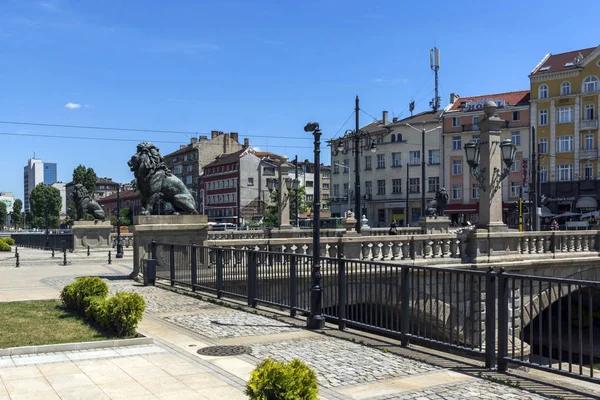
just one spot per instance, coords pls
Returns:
(56, 348)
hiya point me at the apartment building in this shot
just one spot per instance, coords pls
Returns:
(35, 172)
(564, 113)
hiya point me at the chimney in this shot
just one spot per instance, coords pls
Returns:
(203, 138)
(463, 103)
(246, 143)
(225, 143)
(395, 119)
(385, 118)
(234, 136)
(453, 97)
(193, 140)
(214, 134)
(182, 146)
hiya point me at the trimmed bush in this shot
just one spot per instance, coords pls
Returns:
(123, 313)
(8, 240)
(273, 380)
(4, 246)
(96, 311)
(76, 295)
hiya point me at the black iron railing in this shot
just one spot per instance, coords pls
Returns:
(43, 241)
(466, 310)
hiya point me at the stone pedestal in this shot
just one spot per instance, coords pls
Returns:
(95, 234)
(433, 225)
(350, 224)
(177, 229)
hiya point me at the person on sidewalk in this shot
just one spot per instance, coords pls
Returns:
(392, 230)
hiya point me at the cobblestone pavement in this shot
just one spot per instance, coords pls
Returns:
(227, 324)
(338, 362)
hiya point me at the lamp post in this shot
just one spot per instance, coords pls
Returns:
(357, 136)
(47, 232)
(485, 164)
(119, 244)
(296, 185)
(316, 320)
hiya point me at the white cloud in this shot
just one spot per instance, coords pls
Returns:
(72, 106)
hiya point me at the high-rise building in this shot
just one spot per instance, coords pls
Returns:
(34, 173)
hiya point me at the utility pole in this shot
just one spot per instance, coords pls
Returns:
(357, 212)
(423, 169)
(533, 195)
(296, 186)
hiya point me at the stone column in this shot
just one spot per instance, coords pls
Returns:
(284, 198)
(491, 166)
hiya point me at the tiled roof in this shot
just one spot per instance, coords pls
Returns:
(126, 195)
(182, 150)
(511, 98)
(426, 116)
(225, 159)
(560, 62)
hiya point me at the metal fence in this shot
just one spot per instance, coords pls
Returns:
(466, 310)
(43, 241)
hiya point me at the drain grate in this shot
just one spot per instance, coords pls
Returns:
(224, 351)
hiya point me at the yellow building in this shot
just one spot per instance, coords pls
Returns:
(564, 113)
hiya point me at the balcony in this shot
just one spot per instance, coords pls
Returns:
(470, 128)
(588, 154)
(587, 124)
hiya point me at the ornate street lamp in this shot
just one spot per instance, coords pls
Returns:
(316, 320)
(119, 244)
(509, 150)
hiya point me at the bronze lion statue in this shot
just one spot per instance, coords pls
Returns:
(155, 182)
(435, 208)
(84, 203)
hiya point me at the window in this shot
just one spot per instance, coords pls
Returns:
(456, 167)
(565, 88)
(326, 186)
(414, 157)
(544, 173)
(433, 183)
(565, 144)
(336, 190)
(475, 191)
(396, 159)
(516, 115)
(250, 181)
(269, 171)
(543, 92)
(590, 84)
(588, 171)
(414, 185)
(456, 192)
(565, 172)
(346, 166)
(368, 187)
(434, 157)
(455, 121)
(396, 185)
(367, 162)
(516, 137)
(309, 183)
(516, 165)
(380, 161)
(515, 189)
(543, 117)
(588, 143)
(178, 169)
(476, 123)
(589, 112)
(325, 175)
(565, 115)
(392, 137)
(456, 143)
(336, 168)
(543, 146)
(381, 186)
(309, 197)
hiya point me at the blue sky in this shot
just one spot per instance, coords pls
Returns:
(261, 68)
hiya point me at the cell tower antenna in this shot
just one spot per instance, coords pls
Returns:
(434, 63)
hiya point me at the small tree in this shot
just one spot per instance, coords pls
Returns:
(125, 221)
(3, 214)
(271, 212)
(16, 214)
(45, 201)
(87, 177)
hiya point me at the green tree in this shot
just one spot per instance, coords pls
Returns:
(87, 177)
(45, 199)
(16, 214)
(3, 214)
(125, 221)
(271, 212)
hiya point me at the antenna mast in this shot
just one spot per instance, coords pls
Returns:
(434, 63)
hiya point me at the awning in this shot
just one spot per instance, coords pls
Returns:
(546, 212)
(460, 208)
(587, 202)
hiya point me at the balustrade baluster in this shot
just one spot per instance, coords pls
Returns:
(446, 248)
(396, 250)
(532, 245)
(540, 245)
(366, 250)
(571, 243)
(525, 246)
(386, 250)
(578, 240)
(376, 250)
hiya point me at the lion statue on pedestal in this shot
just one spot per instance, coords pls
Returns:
(155, 182)
(84, 203)
(435, 208)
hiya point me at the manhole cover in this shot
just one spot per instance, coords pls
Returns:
(223, 351)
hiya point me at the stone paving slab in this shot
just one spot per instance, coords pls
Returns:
(229, 323)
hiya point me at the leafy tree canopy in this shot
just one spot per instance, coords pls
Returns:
(125, 221)
(87, 177)
(44, 199)
(3, 214)
(271, 212)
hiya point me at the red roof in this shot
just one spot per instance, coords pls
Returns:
(520, 97)
(560, 62)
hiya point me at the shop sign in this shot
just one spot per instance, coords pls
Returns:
(525, 167)
(556, 199)
(478, 105)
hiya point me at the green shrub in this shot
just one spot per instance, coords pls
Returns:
(8, 240)
(96, 311)
(75, 296)
(273, 380)
(123, 313)
(4, 246)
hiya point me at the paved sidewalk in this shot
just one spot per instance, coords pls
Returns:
(181, 325)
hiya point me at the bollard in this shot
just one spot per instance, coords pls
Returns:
(53, 252)
(17, 260)
(88, 251)
(64, 256)
(109, 259)
(16, 251)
